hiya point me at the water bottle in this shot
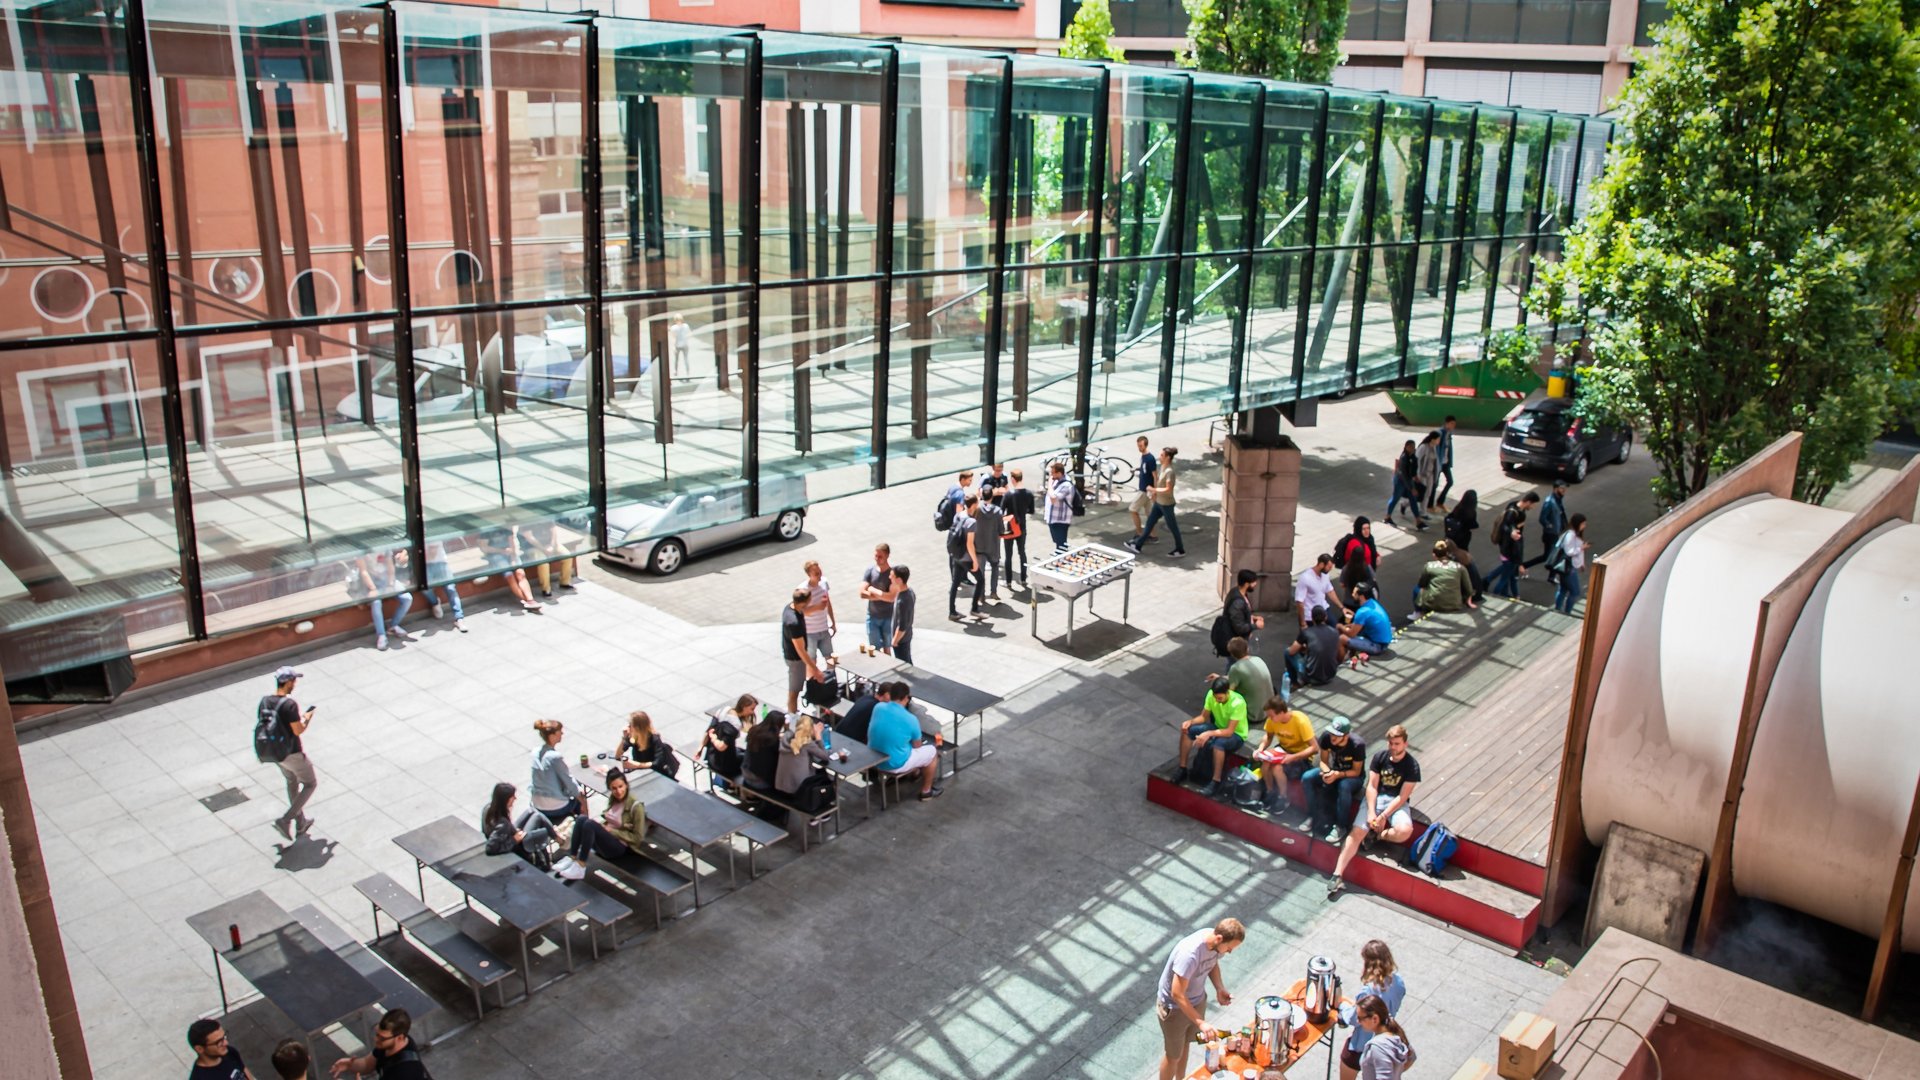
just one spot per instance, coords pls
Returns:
(826, 737)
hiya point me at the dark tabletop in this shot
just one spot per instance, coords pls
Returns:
(511, 888)
(944, 693)
(288, 965)
(438, 841)
(860, 757)
(869, 667)
(698, 819)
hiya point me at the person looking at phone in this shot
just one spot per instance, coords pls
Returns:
(296, 768)
(617, 832)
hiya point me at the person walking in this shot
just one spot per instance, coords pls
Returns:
(1162, 493)
(876, 588)
(1445, 464)
(902, 622)
(282, 718)
(1406, 471)
(1379, 978)
(990, 524)
(1143, 501)
(1180, 1002)
(1508, 540)
(1553, 522)
(682, 338)
(1060, 495)
(1019, 506)
(963, 559)
(1426, 476)
(1571, 553)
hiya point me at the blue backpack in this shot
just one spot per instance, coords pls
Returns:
(1434, 848)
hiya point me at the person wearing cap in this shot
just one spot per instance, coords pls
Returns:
(1221, 728)
(1385, 809)
(618, 831)
(1444, 584)
(296, 768)
(1333, 786)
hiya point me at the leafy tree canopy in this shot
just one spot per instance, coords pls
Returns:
(1295, 40)
(1748, 246)
(1089, 33)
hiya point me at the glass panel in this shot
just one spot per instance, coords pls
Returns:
(1651, 14)
(74, 257)
(936, 372)
(1053, 110)
(1427, 312)
(1330, 322)
(1524, 175)
(675, 434)
(289, 159)
(1273, 329)
(1384, 330)
(1377, 20)
(1142, 140)
(1203, 352)
(1219, 164)
(96, 572)
(670, 156)
(1563, 159)
(1484, 207)
(1046, 317)
(1292, 154)
(1126, 374)
(817, 347)
(1403, 153)
(491, 104)
(949, 126)
(1343, 206)
(820, 148)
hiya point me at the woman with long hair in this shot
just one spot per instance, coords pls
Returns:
(1572, 556)
(1388, 1055)
(618, 831)
(1359, 544)
(1463, 519)
(1380, 981)
(720, 745)
(1406, 485)
(795, 777)
(528, 835)
(763, 749)
(642, 747)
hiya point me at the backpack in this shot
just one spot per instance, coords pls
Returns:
(1340, 552)
(943, 514)
(1559, 562)
(1079, 501)
(1222, 633)
(272, 742)
(815, 794)
(1433, 849)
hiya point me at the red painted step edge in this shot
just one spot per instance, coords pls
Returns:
(1403, 887)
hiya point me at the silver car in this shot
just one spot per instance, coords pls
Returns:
(661, 535)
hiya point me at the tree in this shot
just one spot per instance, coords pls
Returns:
(1088, 34)
(1745, 248)
(1296, 40)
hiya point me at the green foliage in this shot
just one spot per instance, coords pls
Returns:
(1750, 237)
(1296, 40)
(1514, 353)
(1088, 34)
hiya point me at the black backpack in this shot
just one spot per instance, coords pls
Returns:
(272, 741)
(1222, 633)
(943, 514)
(407, 1055)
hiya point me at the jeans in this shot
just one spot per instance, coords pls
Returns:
(592, 838)
(1330, 804)
(297, 770)
(1552, 541)
(903, 652)
(538, 830)
(879, 631)
(1505, 579)
(1446, 473)
(990, 564)
(438, 571)
(960, 569)
(402, 604)
(1058, 530)
(1019, 542)
(1402, 492)
(1569, 590)
(1161, 512)
(571, 808)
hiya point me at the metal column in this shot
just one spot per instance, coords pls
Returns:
(594, 242)
(1097, 169)
(1249, 238)
(402, 294)
(1000, 209)
(883, 257)
(1175, 275)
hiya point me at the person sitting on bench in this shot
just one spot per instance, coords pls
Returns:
(795, 778)
(854, 724)
(896, 733)
(1371, 631)
(763, 751)
(1333, 786)
(1385, 812)
(618, 832)
(527, 836)
(720, 745)
(1287, 751)
(1220, 729)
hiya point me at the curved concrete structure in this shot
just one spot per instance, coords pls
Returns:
(1667, 710)
(1831, 778)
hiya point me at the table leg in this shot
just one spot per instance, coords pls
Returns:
(1126, 599)
(1070, 605)
(420, 878)
(982, 754)
(733, 879)
(695, 852)
(526, 965)
(222, 980)
(566, 936)
(1033, 614)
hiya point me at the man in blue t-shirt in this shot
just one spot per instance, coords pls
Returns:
(1371, 631)
(1143, 502)
(895, 732)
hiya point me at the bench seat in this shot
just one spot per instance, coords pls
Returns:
(472, 961)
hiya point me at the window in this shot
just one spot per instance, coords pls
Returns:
(1377, 20)
(1521, 22)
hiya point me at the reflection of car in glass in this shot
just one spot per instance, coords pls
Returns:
(546, 371)
(660, 535)
(1540, 434)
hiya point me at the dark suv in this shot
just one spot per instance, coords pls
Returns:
(1541, 435)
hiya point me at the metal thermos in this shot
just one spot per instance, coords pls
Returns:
(1323, 990)
(1273, 1027)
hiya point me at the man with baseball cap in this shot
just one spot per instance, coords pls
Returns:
(1333, 787)
(279, 709)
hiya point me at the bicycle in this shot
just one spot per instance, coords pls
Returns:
(1114, 471)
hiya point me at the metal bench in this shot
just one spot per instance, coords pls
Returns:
(765, 834)
(471, 960)
(396, 990)
(642, 872)
(603, 910)
(809, 822)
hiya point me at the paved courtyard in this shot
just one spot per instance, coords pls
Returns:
(1012, 928)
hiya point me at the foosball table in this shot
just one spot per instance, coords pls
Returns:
(1079, 572)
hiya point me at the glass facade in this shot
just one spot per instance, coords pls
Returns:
(308, 303)
(1522, 22)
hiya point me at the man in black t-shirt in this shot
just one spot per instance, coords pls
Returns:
(213, 1057)
(854, 724)
(1314, 657)
(793, 648)
(394, 1056)
(1386, 812)
(296, 768)
(1333, 786)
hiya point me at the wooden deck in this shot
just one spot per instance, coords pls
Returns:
(1484, 697)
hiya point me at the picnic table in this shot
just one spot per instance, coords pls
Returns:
(524, 899)
(698, 821)
(955, 697)
(283, 960)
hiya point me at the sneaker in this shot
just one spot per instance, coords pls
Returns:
(1335, 888)
(1278, 806)
(993, 598)
(979, 616)
(439, 610)
(402, 633)
(1181, 554)
(932, 793)
(1210, 788)
(285, 828)
(954, 616)
(568, 869)
(1332, 835)
(1133, 545)
(306, 826)
(1389, 521)
(460, 625)
(380, 642)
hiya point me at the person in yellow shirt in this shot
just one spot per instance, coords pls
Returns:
(1285, 753)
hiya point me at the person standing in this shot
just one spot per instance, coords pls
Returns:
(963, 559)
(1241, 621)
(1445, 463)
(1389, 1054)
(876, 588)
(291, 1060)
(902, 621)
(214, 1058)
(1143, 500)
(1019, 506)
(1386, 809)
(393, 1056)
(682, 336)
(990, 524)
(957, 491)
(1162, 493)
(1572, 556)
(1553, 522)
(1508, 541)
(821, 622)
(997, 480)
(281, 716)
(1060, 495)
(1426, 475)
(1314, 588)
(794, 649)
(1380, 978)
(1180, 1003)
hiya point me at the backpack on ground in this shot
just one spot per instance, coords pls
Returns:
(1434, 848)
(272, 741)
(943, 514)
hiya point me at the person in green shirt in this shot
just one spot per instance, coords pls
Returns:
(1444, 584)
(1221, 728)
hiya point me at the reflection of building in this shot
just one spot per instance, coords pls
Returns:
(1571, 55)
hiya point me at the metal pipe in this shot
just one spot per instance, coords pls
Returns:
(1177, 214)
(1000, 208)
(408, 408)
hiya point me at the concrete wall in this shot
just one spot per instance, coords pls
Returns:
(23, 1011)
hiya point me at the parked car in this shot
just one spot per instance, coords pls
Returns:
(1541, 435)
(661, 535)
(547, 370)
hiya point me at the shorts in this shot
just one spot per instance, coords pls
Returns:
(921, 757)
(1176, 1031)
(1142, 503)
(821, 642)
(796, 676)
(1401, 819)
(1350, 1057)
(1365, 645)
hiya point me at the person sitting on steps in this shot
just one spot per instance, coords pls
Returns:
(1386, 810)
(1221, 729)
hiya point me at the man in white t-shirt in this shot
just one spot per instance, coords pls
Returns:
(1181, 1003)
(821, 623)
(1314, 588)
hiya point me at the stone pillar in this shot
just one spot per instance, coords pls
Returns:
(1260, 497)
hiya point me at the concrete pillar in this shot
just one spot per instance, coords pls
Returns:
(1260, 498)
(1413, 69)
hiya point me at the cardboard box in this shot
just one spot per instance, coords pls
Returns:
(1474, 1070)
(1525, 1046)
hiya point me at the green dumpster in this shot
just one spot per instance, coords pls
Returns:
(1475, 394)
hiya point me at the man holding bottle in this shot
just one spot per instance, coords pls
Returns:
(1182, 1001)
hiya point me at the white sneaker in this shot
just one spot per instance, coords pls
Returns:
(438, 610)
(460, 625)
(569, 870)
(380, 642)
(402, 633)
